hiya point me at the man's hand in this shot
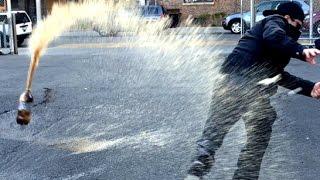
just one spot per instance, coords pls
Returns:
(310, 55)
(315, 93)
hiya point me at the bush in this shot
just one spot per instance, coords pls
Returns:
(202, 20)
(209, 19)
(217, 18)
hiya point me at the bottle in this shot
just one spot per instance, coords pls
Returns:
(24, 108)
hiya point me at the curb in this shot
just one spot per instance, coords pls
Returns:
(200, 30)
(178, 30)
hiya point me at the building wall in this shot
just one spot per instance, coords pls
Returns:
(197, 9)
(2, 5)
(185, 10)
(225, 6)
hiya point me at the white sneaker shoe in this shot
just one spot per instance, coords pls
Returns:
(191, 177)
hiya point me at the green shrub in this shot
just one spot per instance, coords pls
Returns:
(202, 20)
(217, 18)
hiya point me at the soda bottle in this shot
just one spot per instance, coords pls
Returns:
(24, 108)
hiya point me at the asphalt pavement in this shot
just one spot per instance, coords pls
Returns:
(106, 110)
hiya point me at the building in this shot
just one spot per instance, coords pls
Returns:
(207, 12)
(2, 5)
(211, 10)
(27, 5)
(30, 6)
(179, 10)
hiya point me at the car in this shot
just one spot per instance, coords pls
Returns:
(233, 21)
(153, 13)
(23, 25)
(316, 23)
(148, 14)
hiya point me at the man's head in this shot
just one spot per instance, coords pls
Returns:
(294, 22)
(291, 11)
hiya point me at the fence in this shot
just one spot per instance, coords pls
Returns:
(311, 27)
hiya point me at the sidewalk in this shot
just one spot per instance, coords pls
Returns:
(86, 33)
(200, 30)
(179, 30)
(92, 39)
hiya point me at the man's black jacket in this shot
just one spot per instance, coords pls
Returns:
(265, 50)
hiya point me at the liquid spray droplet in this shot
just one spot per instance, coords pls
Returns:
(269, 81)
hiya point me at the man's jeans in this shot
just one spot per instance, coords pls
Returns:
(235, 98)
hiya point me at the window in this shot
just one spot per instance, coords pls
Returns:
(22, 18)
(3, 19)
(264, 6)
(152, 10)
(198, 1)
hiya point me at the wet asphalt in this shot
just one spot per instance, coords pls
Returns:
(110, 113)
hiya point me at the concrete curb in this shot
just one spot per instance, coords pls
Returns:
(179, 30)
(86, 33)
(199, 30)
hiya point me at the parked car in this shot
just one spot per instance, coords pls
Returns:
(233, 21)
(23, 25)
(153, 13)
(316, 23)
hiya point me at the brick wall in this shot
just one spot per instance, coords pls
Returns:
(2, 5)
(226, 6)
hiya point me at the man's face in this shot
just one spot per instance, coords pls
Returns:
(294, 22)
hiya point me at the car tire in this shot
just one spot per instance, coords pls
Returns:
(20, 41)
(316, 29)
(1, 40)
(235, 27)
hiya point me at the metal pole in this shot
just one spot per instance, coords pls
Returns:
(38, 9)
(9, 15)
(14, 31)
(253, 14)
(311, 21)
(4, 35)
(241, 6)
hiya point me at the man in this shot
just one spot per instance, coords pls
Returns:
(263, 52)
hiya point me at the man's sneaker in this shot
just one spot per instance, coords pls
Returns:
(192, 177)
(201, 166)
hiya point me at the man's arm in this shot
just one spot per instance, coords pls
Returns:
(275, 37)
(292, 82)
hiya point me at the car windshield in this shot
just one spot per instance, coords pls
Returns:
(3, 19)
(274, 5)
(305, 6)
(264, 6)
(151, 11)
(22, 18)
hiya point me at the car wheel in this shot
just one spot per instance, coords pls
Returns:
(20, 42)
(316, 29)
(235, 27)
